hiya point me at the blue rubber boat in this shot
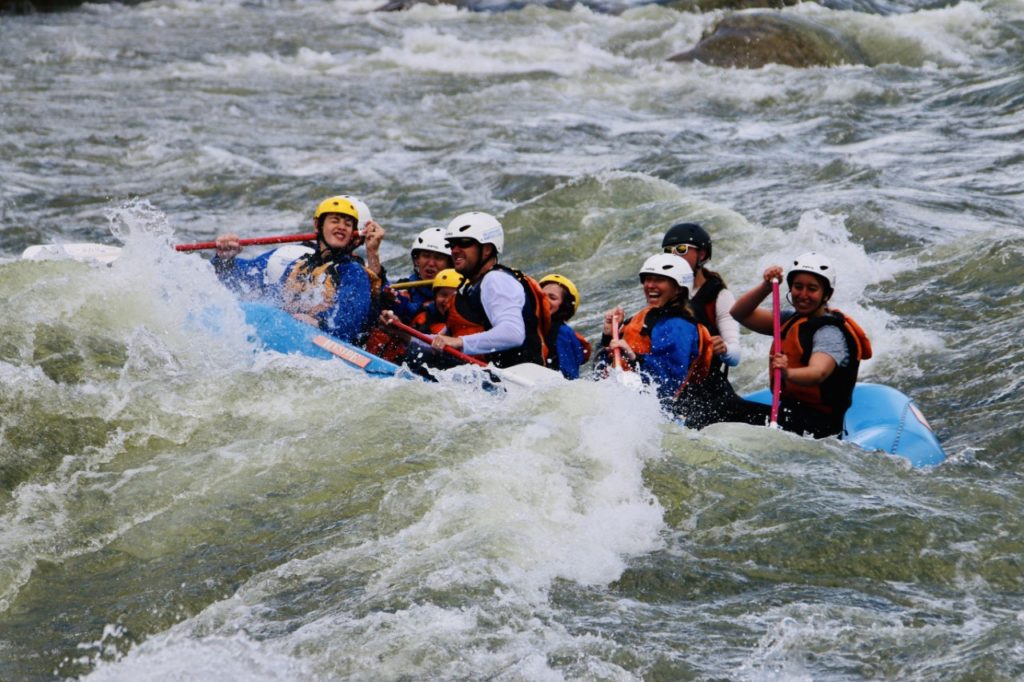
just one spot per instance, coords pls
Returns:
(882, 418)
(279, 331)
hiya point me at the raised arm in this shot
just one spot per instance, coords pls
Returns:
(746, 310)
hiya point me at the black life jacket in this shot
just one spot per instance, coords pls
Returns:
(467, 316)
(704, 305)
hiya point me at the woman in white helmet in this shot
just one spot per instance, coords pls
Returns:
(821, 348)
(663, 341)
(430, 255)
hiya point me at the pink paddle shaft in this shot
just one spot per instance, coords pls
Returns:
(616, 352)
(776, 348)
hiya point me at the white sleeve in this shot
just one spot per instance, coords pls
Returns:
(728, 327)
(503, 299)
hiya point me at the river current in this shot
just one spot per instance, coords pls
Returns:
(177, 505)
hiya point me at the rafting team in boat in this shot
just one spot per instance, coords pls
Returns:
(683, 342)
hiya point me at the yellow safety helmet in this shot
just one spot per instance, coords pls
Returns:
(448, 278)
(567, 283)
(339, 204)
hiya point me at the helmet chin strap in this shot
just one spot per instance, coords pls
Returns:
(476, 271)
(824, 301)
(335, 251)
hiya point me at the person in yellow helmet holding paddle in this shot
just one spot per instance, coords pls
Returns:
(327, 286)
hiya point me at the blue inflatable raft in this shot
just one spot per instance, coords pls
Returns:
(882, 418)
(278, 331)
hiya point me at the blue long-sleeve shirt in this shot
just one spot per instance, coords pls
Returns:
(569, 350)
(347, 317)
(674, 345)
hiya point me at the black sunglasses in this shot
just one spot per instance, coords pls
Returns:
(461, 243)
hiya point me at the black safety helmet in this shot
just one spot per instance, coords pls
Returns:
(688, 233)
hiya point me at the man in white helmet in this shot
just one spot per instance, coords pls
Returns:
(499, 313)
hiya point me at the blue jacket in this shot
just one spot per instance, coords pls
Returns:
(245, 276)
(410, 302)
(347, 317)
(569, 351)
(675, 343)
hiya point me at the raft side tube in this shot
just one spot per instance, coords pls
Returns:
(883, 418)
(276, 330)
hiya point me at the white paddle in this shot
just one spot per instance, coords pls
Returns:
(85, 252)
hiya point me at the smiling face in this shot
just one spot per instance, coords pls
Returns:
(659, 290)
(466, 255)
(807, 292)
(429, 263)
(338, 230)
(443, 298)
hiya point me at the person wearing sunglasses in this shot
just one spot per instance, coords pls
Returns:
(499, 314)
(821, 348)
(714, 399)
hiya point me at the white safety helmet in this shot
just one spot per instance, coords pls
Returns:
(279, 261)
(431, 239)
(364, 211)
(816, 264)
(483, 227)
(668, 265)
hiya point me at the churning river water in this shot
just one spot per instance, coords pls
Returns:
(174, 505)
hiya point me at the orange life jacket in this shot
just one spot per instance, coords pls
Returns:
(638, 336)
(466, 315)
(832, 396)
(385, 344)
(428, 321)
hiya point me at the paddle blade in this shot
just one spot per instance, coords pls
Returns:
(85, 252)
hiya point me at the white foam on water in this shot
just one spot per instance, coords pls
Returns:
(543, 51)
(946, 36)
(553, 491)
(232, 658)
